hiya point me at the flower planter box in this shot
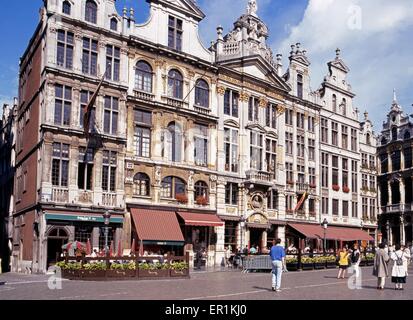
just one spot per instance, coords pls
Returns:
(363, 263)
(70, 274)
(92, 274)
(179, 273)
(319, 265)
(331, 265)
(292, 266)
(153, 273)
(370, 262)
(121, 273)
(307, 266)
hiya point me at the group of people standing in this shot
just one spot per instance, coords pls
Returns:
(400, 256)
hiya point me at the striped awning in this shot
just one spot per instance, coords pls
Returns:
(201, 219)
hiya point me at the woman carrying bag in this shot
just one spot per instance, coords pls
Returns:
(343, 263)
(399, 272)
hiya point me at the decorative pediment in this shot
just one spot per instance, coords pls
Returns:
(272, 134)
(188, 6)
(339, 64)
(256, 127)
(231, 123)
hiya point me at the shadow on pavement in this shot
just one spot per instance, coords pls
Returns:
(261, 288)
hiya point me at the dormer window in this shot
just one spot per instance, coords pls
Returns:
(91, 11)
(300, 86)
(175, 33)
(344, 107)
(394, 134)
(66, 8)
(368, 139)
(114, 24)
(334, 103)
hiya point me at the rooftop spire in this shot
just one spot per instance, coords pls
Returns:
(394, 96)
(252, 8)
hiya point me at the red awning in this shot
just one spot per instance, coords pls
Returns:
(157, 225)
(314, 231)
(201, 219)
(310, 231)
(347, 234)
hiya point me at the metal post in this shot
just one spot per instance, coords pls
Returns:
(106, 241)
(325, 241)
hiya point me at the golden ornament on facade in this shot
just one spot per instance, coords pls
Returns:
(221, 90)
(244, 97)
(280, 109)
(263, 102)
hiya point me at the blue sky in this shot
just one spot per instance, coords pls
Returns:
(374, 36)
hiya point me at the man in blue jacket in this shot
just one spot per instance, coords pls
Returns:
(277, 255)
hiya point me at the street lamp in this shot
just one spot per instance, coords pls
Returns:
(106, 217)
(325, 225)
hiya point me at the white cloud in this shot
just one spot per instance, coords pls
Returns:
(375, 38)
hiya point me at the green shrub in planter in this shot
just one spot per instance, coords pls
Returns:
(291, 260)
(179, 266)
(95, 266)
(307, 260)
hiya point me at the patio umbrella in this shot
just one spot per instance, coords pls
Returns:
(133, 247)
(120, 249)
(74, 245)
(88, 247)
(141, 249)
(111, 249)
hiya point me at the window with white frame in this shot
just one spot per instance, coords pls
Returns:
(175, 32)
(141, 184)
(231, 149)
(143, 77)
(289, 117)
(90, 56)
(344, 137)
(109, 171)
(289, 173)
(256, 149)
(324, 169)
(231, 103)
(289, 143)
(112, 63)
(201, 145)
(334, 133)
(63, 105)
(85, 168)
(91, 11)
(335, 169)
(253, 109)
(65, 44)
(271, 155)
(60, 165)
(311, 149)
(324, 130)
(300, 146)
(202, 93)
(354, 209)
(271, 115)
(111, 115)
(300, 120)
(142, 136)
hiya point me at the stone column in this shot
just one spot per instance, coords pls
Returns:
(281, 233)
(389, 201)
(389, 161)
(264, 240)
(402, 231)
(402, 192)
(95, 238)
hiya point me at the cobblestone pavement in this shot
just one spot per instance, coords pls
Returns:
(225, 285)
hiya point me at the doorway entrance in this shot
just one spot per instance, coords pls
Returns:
(55, 240)
(256, 238)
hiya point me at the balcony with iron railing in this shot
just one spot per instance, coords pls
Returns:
(260, 176)
(397, 208)
(145, 96)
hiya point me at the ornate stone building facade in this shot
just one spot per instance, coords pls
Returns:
(394, 151)
(190, 147)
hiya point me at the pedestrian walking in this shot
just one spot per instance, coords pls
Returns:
(399, 271)
(277, 254)
(355, 259)
(380, 268)
(408, 256)
(343, 263)
(227, 254)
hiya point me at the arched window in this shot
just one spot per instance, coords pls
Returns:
(344, 107)
(202, 93)
(201, 192)
(175, 84)
(173, 187)
(173, 143)
(114, 24)
(407, 135)
(334, 103)
(394, 133)
(143, 77)
(91, 11)
(368, 139)
(141, 184)
(67, 8)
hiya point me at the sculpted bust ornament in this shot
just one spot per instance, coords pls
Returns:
(252, 7)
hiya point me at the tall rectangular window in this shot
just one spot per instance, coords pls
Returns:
(271, 116)
(90, 56)
(256, 148)
(112, 63)
(353, 140)
(354, 209)
(201, 145)
(372, 183)
(272, 200)
(85, 169)
(289, 203)
(175, 31)
(111, 115)
(300, 146)
(231, 102)
(364, 163)
(324, 130)
(324, 170)
(231, 193)
(311, 149)
(312, 177)
(344, 168)
(109, 171)
(324, 205)
(334, 133)
(300, 174)
(354, 176)
(335, 169)
(289, 143)
(271, 155)
(231, 149)
(335, 207)
(60, 165)
(364, 182)
(289, 117)
(84, 101)
(142, 137)
(372, 162)
(253, 109)
(289, 172)
(300, 85)
(408, 159)
(311, 124)
(384, 163)
(65, 42)
(344, 137)
(372, 209)
(300, 120)
(364, 208)
(345, 208)
(63, 105)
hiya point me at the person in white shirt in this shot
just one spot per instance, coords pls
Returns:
(407, 254)
(399, 272)
(355, 259)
